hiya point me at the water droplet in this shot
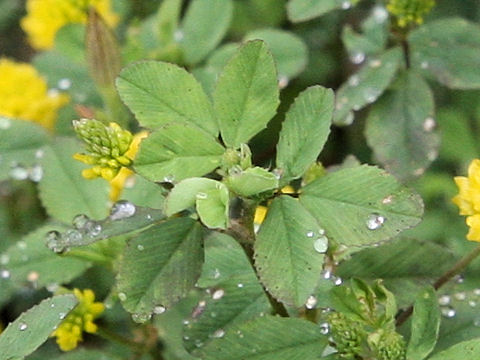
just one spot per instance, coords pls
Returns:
(380, 14)
(52, 305)
(5, 123)
(64, 84)
(122, 209)
(80, 221)
(36, 173)
(337, 281)
(93, 228)
(141, 318)
(375, 221)
(429, 124)
(140, 247)
(321, 244)
(310, 234)
(218, 294)
(55, 241)
(476, 292)
(346, 5)
(444, 300)
(73, 236)
(239, 333)
(354, 80)
(387, 200)
(460, 296)
(33, 276)
(4, 274)
(178, 35)
(283, 81)
(62, 315)
(39, 154)
(472, 303)
(4, 259)
(357, 58)
(311, 302)
(324, 328)
(122, 296)
(327, 274)
(202, 196)
(169, 179)
(186, 338)
(159, 309)
(219, 333)
(19, 172)
(375, 63)
(22, 326)
(371, 94)
(240, 285)
(185, 322)
(448, 311)
(424, 65)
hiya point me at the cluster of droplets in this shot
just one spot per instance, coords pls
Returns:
(34, 172)
(447, 302)
(320, 240)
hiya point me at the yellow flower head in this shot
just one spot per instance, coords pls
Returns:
(24, 94)
(69, 332)
(468, 199)
(108, 148)
(45, 17)
(410, 11)
(261, 211)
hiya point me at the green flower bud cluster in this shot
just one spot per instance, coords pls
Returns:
(107, 147)
(410, 11)
(358, 340)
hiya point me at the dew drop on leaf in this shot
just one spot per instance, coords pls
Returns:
(448, 311)
(122, 296)
(159, 309)
(324, 328)
(311, 302)
(122, 209)
(429, 124)
(444, 300)
(141, 317)
(22, 326)
(218, 294)
(321, 244)
(18, 172)
(80, 221)
(375, 221)
(357, 58)
(219, 333)
(346, 5)
(5, 274)
(460, 296)
(140, 247)
(64, 84)
(93, 228)
(36, 173)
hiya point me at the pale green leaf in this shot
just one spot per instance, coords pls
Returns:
(361, 205)
(246, 97)
(461, 351)
(178, 151)
(289, 251)
(366, 86)
(32, 328)
(425, 325)
(159, 93)
(160, 266)
(213, 207)
(304, 131)
(400, 128)
(234, 295)
(63, 190)
(288, 50)
(167, 20)
(449, 51)
(20, 144)
(303, 10)
(29, 261)
(268, 338)
(252, 181)
(204, 25)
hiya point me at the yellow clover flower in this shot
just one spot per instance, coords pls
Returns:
(45, 17)
(24, 94)
(410, 11)
(468, 199)
(69, 332)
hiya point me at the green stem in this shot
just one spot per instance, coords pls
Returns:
(446, 277)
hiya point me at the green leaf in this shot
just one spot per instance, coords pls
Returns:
(400, 128)
(63, 191)
(425, 325)
(160, 266)
(246, 97)
(268, 338)
(167, 20)
(366, 86)
(289, 251)
(159, 93)
(30, 261)
(361, 205)
(303, 10)
(32, 328)
(144, 193)
(449, 51)
(212, 208)
(461, 351)
(288, 50)
(204, 25)
(406, 266)
(176, 152)
(234, 293)
(252, 181)
(21, 144)
(304, 131)
(88, 354)
(70, 42)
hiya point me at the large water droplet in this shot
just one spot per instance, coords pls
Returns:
(476, 322)
(64, 84)
(219, 333)
(311, 302)
(371, 94)
(22, 326)
(55, 241)
(62, 315)
(159, 309)
(444, 300)
(375, 221)
(321, 244)
(448, 311)
(93, 228)
(218, 294)
(357, 58)
(122, 209)
(73, 236)
(324, 328)
(4, 274)
(80, 221)
(476, 292)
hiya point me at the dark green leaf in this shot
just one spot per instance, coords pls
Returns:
(32, 328)
(159, 93)
(160, 266)
(304, 131)
(289, 251)
(178, 151)
(425, 325)
(246, 96)
(302, 10)
(400, 128)
(461, 351)
(361, 205)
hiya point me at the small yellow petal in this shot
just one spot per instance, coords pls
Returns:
(260, 214)
(474, 223)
